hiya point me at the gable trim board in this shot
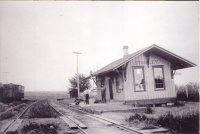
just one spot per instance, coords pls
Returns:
(116, 64)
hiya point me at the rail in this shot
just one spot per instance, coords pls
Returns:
(84, 132)
(9, 109)
(18, 117)
(122, 126)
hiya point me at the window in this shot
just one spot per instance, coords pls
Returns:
(139, 82)
(158, 77)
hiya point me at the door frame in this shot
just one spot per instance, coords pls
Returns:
(111, 89)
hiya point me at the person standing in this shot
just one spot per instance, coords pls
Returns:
(103, 93)
(86, 92)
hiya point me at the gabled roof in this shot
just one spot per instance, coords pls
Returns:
(177, 61)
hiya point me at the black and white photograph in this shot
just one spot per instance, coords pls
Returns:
(99, 67)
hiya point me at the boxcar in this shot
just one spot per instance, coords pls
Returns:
(11, 92)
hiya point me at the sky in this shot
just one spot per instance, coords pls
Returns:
(37, 39)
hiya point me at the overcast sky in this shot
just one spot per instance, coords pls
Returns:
(37, 38)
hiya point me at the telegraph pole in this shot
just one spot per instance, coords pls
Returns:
(6, 72)
(77, 53)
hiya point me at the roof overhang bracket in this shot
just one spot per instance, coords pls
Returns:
(124, 67)
(173, 72)
(93, 78)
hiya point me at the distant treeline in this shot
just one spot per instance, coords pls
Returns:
(188, 92)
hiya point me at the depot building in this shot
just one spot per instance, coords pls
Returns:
(143, 77)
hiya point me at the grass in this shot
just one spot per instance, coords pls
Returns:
(2, 108)
(42, 110)
(181, 119)
(35, 128)
(12, 113)
(188, 123)
(6, 115)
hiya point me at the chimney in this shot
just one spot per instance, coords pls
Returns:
(125, 50)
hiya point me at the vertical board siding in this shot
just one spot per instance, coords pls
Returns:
(117, 95)
(149, 92)
(107, 88)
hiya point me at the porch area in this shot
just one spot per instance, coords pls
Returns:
(110, 106)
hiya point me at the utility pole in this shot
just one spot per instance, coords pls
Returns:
(77, 53)
(6, 72)
(6, 77)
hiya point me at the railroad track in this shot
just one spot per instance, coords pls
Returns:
(10, 109)
(17, 120)
(78, 126)
(114, 123)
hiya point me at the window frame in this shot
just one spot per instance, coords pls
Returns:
(159, 89)
(138, 67)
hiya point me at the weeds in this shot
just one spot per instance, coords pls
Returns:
(148, 110)
(137, 117)
(184, 124)
(6, 115)
(149, 123)
(35, 128)
(42, 110)
(188, 123)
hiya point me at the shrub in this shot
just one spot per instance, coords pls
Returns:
(149, 123)
(148, 110)
(193, 92)
(30, 127)
(188, 123)
(137, 117)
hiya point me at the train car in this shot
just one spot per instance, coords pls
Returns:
(11, 92)
(1, 91)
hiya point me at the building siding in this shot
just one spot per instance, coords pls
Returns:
(117, 95)
(149, 92)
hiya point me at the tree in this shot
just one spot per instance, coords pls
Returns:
(83, 84)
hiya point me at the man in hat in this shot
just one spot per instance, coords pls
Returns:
(103, 93)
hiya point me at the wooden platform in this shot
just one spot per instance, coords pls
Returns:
(109, 107)
(83, 126)
(70, 123)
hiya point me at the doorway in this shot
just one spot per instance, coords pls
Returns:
(110, 89)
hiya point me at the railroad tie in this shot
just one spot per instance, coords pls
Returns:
(83, 126)
(13, 128)
(71, 124)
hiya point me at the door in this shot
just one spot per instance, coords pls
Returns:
(110, 89)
